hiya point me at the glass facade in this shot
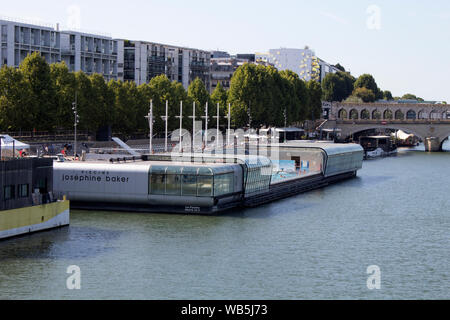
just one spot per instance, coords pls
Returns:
(190, 181)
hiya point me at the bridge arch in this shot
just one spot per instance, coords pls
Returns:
(399, 115)
(354, 114)
(342, 114)
(388, 115)
(365, 114)
(411, 115)
(391, 127)
(422, 114)
(435, 115)
(376, 115)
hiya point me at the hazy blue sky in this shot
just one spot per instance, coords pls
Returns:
(409, 52)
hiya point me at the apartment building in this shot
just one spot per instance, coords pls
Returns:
(143, 61)
(80, 51)
(19, 39)
(304, 62)
(90, 53)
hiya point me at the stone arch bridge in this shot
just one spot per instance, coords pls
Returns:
(431, 123)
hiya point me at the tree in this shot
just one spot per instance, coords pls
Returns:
(338, 66)
(16, 103)
(36, 72)
(197, 93)
(365, 94)
(299, 104)
(102, 108)
(410, 96)
(220, 96)
(387, 95)
(64, 84)
(367, 81)
(315, 101)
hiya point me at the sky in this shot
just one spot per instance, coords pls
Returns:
(404, 44)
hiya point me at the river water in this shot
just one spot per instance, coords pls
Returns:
(318, 245)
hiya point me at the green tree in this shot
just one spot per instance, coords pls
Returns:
(365, 94)
(16, 101)
(387, 95)
(102, 104)
(338, 66)
(220, 96)
(197, 93)
(36, 72)
(315, 100)
(367, 81)
(64, 84)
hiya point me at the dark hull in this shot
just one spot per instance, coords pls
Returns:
(277, 192)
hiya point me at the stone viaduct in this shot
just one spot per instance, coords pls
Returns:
(429, 122)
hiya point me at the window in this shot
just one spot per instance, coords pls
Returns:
(158, 184)
(204, 186)
(173, 185)
(189, 185)
(8, 192)
(23, 191)
(223, 184)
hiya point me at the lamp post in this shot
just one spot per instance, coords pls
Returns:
(193, 127)
(181, 125)
(218, 124)
(166, 119)
(77, 120)
(229, 123)
(149, 116)
(206, 126)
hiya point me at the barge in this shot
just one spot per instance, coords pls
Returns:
(378, 146)
(205, 183)
(27, 203)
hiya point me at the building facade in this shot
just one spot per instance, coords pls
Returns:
(143, 61)
(304, 62)
(18, 40)
(80, 51)
(90, 53)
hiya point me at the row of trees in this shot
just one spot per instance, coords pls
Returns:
(39, 96)
(342, 86)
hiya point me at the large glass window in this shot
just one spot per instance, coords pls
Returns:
(23, 191)
(223, 184)
(189, 185)
(204, 186)
(158, 184)
(173, 185)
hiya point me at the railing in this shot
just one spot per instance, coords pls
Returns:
(59, 135)
(394, 121)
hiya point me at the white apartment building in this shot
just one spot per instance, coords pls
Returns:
(90, 53)
(80, 51)
(304, 62)
(146, 60)
(19, 39)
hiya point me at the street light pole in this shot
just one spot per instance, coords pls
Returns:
(166, 119)
(75, 112)
(149, 116)
(218, 124)
(206, 126)
(181, 126)
(229, 124)
(193, 127)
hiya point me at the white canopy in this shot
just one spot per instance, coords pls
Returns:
(8, 142)
(403, 135)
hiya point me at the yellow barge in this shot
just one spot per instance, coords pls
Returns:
(27, 203)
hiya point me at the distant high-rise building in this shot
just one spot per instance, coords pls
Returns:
(304, 62)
